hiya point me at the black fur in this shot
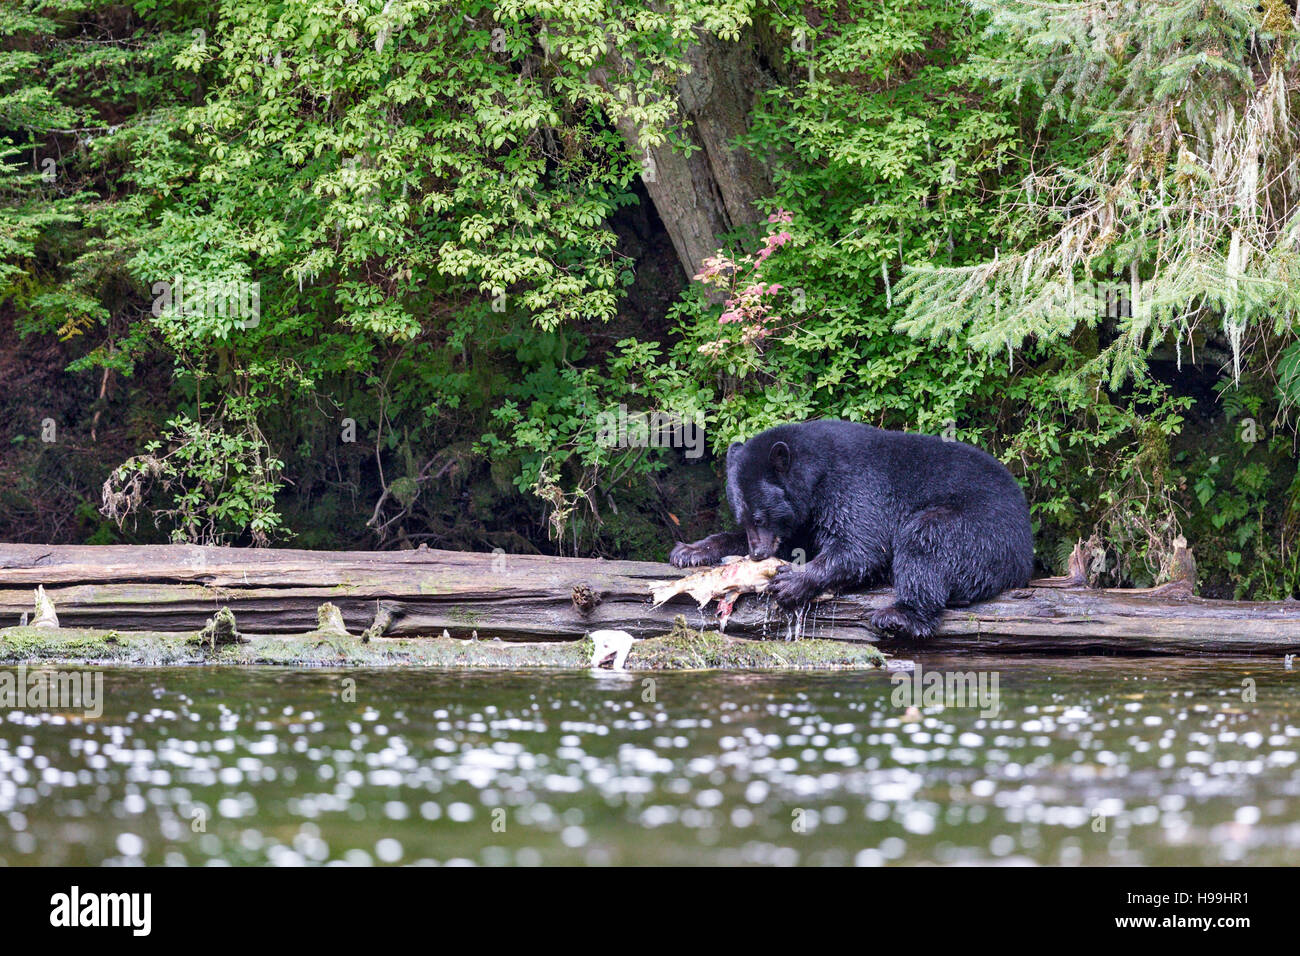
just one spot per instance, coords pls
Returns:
(943, 521)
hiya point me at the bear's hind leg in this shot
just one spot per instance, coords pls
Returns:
(902, 619)
(924, 565)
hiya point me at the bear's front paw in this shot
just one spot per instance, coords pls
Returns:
(692, 556)
(792, 588)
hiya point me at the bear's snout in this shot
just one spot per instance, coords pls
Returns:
(763, 544)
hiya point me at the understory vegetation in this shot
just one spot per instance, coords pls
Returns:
(382, 273)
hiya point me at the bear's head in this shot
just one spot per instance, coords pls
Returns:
(759, 474)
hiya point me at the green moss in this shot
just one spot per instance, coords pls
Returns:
(221, 629)
(681, 649)
(684, 646)
(465, 616)
(77, 645)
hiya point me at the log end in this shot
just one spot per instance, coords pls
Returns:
(329, 621)
(1179, 567)
(221, 629)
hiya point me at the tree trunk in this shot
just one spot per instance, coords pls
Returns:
(711, 192)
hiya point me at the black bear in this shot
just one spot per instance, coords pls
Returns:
(945, 522)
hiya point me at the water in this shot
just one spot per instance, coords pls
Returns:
(1089, 761)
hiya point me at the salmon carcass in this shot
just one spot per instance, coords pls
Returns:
(726, 582)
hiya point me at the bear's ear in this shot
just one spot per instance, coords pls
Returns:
(779, 458)
(733, 449)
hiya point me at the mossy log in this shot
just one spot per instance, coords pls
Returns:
(681, 649)
(531, 597)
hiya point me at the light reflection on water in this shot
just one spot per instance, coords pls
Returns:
(1090, 760)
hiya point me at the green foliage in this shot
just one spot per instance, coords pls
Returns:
(880, 155)
(215, 477)
(1188, 195)
(1243, 497)
(375, 245)
(369, 168)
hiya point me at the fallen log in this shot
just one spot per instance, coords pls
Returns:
(533, 597)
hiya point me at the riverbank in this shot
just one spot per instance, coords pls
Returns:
(681, 649)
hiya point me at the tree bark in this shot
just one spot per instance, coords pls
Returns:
(703, 196)
(532, 597)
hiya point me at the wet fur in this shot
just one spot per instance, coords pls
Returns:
(942, 521)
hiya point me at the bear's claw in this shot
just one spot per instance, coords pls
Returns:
(792, 588)
(690, 556)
